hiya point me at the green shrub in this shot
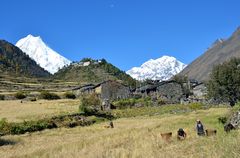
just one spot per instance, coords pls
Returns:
(137, 96)
(2, 97)
(28, 126)
(147, 101)
(71, 120)
(20, 95)
(224, 82)
(5, 127)
(128, 103)
(70, 95)
(195, 106)
(49, 96)
(125, 103)
(222, 120)
(89, 104)
(161, 102)
(236, 107)
(23, 127)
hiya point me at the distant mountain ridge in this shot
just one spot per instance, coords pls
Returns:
(14, 62)
(219, 52)
(159, 69)
(47, 58)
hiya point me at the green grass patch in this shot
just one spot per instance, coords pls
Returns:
(68, 121)
(158, 110)
(132, 102)
(49, 96)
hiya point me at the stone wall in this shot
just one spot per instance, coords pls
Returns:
(171, 92)
(113, 90)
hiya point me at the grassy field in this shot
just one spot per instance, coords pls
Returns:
(132, 137)
(15, 111)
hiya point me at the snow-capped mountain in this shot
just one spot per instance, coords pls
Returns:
(42, 54)
(160, 69)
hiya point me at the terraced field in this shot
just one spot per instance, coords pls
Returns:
(132, 137)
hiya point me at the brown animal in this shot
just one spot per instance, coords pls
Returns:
(210, 132)
(106, 126)
(166, 136)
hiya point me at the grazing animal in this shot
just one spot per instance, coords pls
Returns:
(166, 136)
(210, 132)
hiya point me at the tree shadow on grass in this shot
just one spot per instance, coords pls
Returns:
(4, 142)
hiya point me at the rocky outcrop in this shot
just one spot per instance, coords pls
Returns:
(233, 123)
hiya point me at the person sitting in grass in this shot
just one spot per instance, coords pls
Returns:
(111, 124)
(181, 134)
(200, 128)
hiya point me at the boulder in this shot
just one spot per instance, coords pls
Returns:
(233, 123)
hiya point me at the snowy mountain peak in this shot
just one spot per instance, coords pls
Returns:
(42, 54)
(159, 69)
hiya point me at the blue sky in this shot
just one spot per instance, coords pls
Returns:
(125, 32)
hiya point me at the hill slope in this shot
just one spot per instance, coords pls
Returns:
(42, 54)
(220, 51)
(16, 63)
(160, 69)
(93, 71)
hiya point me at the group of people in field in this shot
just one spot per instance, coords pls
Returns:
(181, 134)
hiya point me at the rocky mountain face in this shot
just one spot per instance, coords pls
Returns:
(160, 69)
(93, 71)
(14, 62)
(42, 54)
(219, 52)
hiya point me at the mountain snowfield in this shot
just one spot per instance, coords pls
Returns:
(42, 54)
(159, 69)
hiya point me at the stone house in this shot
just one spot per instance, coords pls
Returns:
(112, 90)
(107, 91)
(169, 91)
(85, 89)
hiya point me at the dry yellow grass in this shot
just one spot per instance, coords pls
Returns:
(15, 111)
(131, 137)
